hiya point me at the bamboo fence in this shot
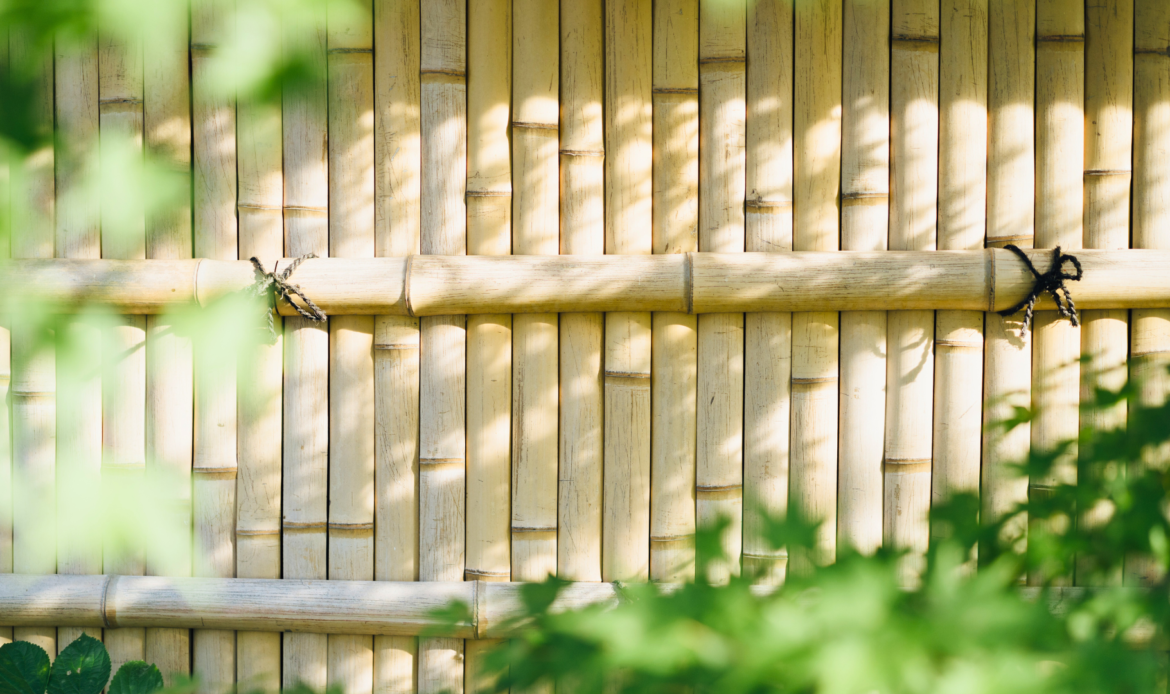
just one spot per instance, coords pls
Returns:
(597, 273)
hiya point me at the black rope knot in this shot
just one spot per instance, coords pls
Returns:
(275, 287)
(1051, 282)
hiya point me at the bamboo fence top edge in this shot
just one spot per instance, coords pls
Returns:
(425, 285)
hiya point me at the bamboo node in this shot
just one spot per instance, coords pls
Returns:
(275, 286)
(689, 281)
(582, 153)
(1107, 172)
(906, 466)
(109, 615)
(1051, 282)
(529, 125)
(406, 286)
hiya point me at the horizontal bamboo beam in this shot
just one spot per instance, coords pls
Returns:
(691, 282)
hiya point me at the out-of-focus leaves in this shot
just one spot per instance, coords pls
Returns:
(24, 668)
(136, 677)
(82, 667)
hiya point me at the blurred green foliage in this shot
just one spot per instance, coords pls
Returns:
(82, 667)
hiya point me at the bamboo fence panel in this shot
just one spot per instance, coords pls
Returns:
(962, 224)
(397, 147)
(1011, 212)
(722, 187)
(169, 360)
(865, 210)
(674, 346)
(579, 486)
(815, 339)
(442, 445)
(79, 386)
(625, 547)
(914, 117)
(123, 236)
(304, 502)
(489, 337)
(1060, 147)
(6, 451)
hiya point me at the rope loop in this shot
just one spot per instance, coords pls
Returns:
(275, 287)
(1051, 282)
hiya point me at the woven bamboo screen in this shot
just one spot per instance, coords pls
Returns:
(498, 447)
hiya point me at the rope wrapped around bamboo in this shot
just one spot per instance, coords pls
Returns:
(984, 280)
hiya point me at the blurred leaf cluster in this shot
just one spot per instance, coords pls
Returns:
(1066, 593)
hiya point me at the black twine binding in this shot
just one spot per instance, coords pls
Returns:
(276, 287)
(1051, 282)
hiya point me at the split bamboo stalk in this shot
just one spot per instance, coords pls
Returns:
(169, 379)
(914, 93)
(579, 486)
(261, 221)
(1060, 147)
(124, 347)
(78, 235)
(535, 214)
(1150, 329)
(865, 205)
(304, 501)
(816, 184)
(397, 142)
(351, 338)
(625, 546)
(6, 487)
(1011, 213)
(442, 370)
(722, 181)
(962, 222)
(674, 348)
(215, 464)
(489, 337)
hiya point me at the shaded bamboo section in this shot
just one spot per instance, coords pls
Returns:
(865, 209)
(674, 348)
(6, 471)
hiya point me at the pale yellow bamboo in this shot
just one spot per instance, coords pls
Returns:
(261, 198)
(396, 338)
(1060, 147)
(625, 546)
(722, 180)
(169, 386)
(78, 235)
(1010, 216)
(865, 193)
(351, 338)
(442, 369)
(579, 487)
(124, 363)
(768, 336)
(914, 94)
(674, 349)
(816, 185)
(306, 356)
(962, 222)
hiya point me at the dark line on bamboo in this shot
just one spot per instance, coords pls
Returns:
(304, 525)
(813, 380)
(106, 600)
(991, 280)
(488, 194)
(862, 198)
(351, 527)
(246, 206)
(1162, 52)
(1013, 237)
(1149, 353)
(440, 461)
(530, 125)
(257, 533)
(406, 285)
(204, 46)
(708, 488)
(958, 344)
(582, 152)
(1108, 172)
(768, 204)
(443, 71)
(781, 555)
(671, 538)
(214, 470)
(301, 208)
(130, 100)
(915, 43)
(532, 529)
(725, 59)
(487, 574)
(626, 374)
(689, 281)
(1061, 38)
(337, 51)
(33, 393)
(906, 466)
(476, 608)
(692, 91)
(405, 347)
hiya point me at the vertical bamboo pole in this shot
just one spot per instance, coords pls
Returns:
(582, 198)
(1060, 143)
(169, 385)
(722, 192)
(489, 337)
(79, 386)
(397, 142)
(442, 388)
(6, 487)
(1011, 213)
(351, 338)
(674, 348)
(625, 546)
(865, 205)
(962, 222)
(535, 212)
(304, 501)
(124, 372)
(914, 90)
(261, 199)
(34, 532)
(1109, 35)
(816, 184)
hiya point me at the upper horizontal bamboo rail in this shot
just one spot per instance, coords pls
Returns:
(980, 280)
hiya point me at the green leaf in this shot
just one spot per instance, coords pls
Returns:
(136, 677)
(24, 668)
(82, 668)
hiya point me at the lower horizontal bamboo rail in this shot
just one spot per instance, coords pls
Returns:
(990, 279)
